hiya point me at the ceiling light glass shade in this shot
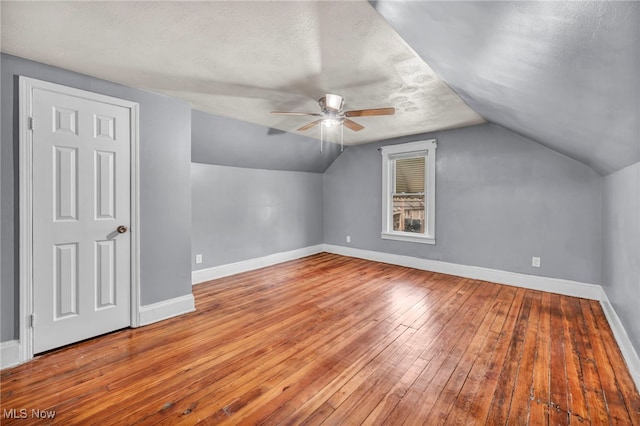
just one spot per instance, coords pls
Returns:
(333, 102)
(325, 123)
(329, 122)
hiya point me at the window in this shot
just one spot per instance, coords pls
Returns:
(408, 191)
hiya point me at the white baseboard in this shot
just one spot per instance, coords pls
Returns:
(622, 338)
(533, 282)
(166, 309)
(10, 350)
(9, 353)
(203, 275)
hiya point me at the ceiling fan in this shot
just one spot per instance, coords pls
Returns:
(333, 115)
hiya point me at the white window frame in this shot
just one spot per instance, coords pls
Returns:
(426, 148)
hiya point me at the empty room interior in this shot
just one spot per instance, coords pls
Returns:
(320, 212)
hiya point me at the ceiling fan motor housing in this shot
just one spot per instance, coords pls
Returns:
(331, 103)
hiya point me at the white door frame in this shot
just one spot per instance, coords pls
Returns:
(25, 177)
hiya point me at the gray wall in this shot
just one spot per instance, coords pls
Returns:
(621, 237)
(564, 73)
(240, 213)
(228, 142)
(165, 205)
(500, 199)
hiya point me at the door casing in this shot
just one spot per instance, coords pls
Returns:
(26, 86)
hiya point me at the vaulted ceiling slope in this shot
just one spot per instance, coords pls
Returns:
(242, 59)
(566, 74)
(226, 142)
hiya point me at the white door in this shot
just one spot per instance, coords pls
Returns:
(81, 215)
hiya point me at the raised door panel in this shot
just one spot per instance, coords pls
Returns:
(105, 274)
(105, 185)
(65, 280)
(65, 171)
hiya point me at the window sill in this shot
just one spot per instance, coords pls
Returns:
(404, 236)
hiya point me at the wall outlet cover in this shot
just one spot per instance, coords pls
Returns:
(535, 262)
(198, 258)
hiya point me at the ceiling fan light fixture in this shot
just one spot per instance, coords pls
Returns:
(330, 122)
(332, 116)
(333, 102)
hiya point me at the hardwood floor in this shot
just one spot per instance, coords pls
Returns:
(342, 341)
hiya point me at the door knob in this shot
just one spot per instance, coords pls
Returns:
(122, 229)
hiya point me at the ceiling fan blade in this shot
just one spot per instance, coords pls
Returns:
(315, 114)
(370, 112)
(352, 125)
(310, 125)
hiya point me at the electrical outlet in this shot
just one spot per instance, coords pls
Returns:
(348, 238)
(535, 262)
(198, 258)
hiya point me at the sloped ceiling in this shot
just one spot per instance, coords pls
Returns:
(241, 59)
(228, 142)
(566, 74)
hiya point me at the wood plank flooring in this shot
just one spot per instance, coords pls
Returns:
(341, 341)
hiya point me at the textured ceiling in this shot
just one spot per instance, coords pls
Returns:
(244, 59)
(566, 74)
